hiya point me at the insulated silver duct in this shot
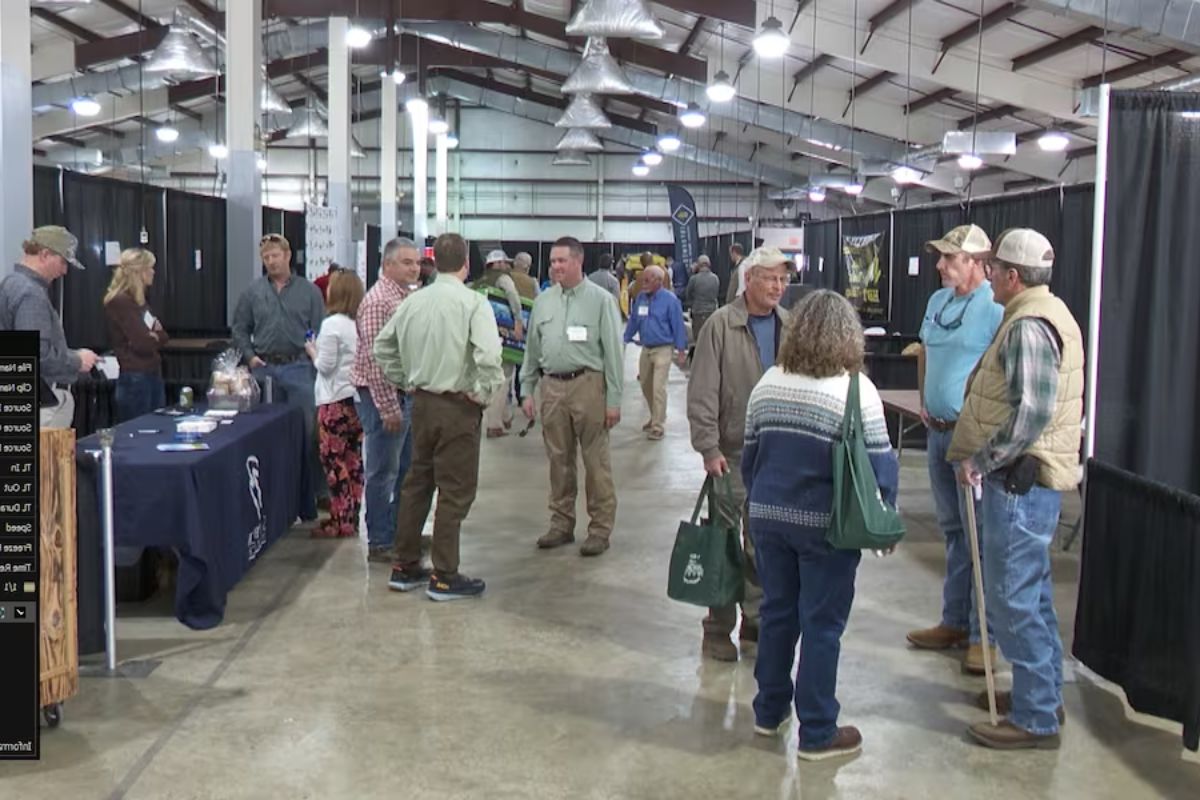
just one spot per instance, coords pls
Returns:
(579, 140)
(1174, 21)
(179, 57)
(625, 19)
(597, 73)
(307, 123)
(571, 158)
(583, 112)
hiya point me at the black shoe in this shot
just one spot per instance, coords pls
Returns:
(459, 587)
(407, 577)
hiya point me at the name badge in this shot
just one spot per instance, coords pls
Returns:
(643, 311)
(576, 333)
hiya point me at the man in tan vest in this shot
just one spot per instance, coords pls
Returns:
(1018, 438)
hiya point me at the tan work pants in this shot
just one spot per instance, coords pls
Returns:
(499, 413)
(654, 368)
(573, 417)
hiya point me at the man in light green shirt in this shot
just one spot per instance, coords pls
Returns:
(573, 352)
(441, 346)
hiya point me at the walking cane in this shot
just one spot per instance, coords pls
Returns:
(970, 493)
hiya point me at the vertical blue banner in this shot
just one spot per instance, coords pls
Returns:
(686, 226)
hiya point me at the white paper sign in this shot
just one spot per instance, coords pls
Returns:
(199, 260)
(914, 265)
(320, 234)
(360, 263)
(820, 263)
(112, 253)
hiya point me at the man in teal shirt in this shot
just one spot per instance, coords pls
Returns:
(573, 352)
(960, 321)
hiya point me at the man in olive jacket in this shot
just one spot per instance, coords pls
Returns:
(733, 350)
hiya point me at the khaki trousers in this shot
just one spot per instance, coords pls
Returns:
(721, 621)
(445, 430)
(654, 368)
(573, 417)
(499, 413)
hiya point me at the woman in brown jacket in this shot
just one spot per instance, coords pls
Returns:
(136, 335)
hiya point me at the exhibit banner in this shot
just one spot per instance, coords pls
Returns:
(866, 278)
(685, 225)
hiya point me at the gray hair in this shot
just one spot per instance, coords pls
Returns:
(396, 245)
(522, 261)
(1033, 276)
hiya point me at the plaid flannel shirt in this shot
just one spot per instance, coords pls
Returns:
(1031, 357)
(373, 313)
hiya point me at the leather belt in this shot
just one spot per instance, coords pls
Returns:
(564, 376)
(271, 358)
(463, 396)
(941, 425)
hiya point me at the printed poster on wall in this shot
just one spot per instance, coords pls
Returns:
(320, 235)
(866, 284)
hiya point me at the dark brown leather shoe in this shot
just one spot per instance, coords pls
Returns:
(972, 663)
(939, 637)
(1004, 705)
(555, 539)
(593, 546)
(1007, 736)
(718, 648)
(846, 742)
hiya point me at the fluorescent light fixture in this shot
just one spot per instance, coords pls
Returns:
(1053, 142)
(652, 158)
(721, 90)
(669, 143)
(970, 161)
(817, 194)
(451, 140)
(692, 116)
(166, 134)
(218, 151)
(854, 188)
(85, 106)
(357, 37)
(641, 170)
(906, 175)
(837, 148)
(415, 105)
(771, 41)
(438, 126)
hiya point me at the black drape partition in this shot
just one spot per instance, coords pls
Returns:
(1150, 331)
(99, 210)
(1138, 617)
(374, 253)
(910, 293)
(824, 252)
(1073, 251)
(189, 285)
(47, 197)
(295, 231)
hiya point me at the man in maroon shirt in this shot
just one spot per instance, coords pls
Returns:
(322, 282)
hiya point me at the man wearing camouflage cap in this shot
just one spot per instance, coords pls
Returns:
(959, 323)
(25, 306)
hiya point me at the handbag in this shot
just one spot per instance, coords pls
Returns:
(707, 563)
(860, 518)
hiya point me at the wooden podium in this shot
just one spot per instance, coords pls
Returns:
(59, 646)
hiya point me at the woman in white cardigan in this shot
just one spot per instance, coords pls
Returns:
(339, 430)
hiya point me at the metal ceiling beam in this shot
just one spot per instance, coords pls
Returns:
(808, 70)
(187, 112)
(62, 23)
(1172, 22)
(969, 31)
(1171, 58)
(940, 96)
(1063, 45)
(870, 83)
(987, 115)
(1081, 152)
(686, 47)
(739, 12)
(1066, 127)
(882, 17)
(211, 15)
(130, 14)
(115, 48)
(73, 142)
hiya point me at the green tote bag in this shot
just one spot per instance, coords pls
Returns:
(862, 519)
(707, 563)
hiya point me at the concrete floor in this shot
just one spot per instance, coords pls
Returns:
(572, 678)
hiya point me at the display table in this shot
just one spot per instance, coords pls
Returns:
(58, 654)
(905, 404)
(218, 509)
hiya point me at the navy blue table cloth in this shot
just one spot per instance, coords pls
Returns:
(218, 509)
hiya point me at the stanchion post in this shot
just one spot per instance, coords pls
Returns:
(110, 561)
(970, 496)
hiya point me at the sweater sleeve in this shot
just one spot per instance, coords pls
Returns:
(128, 319)
(879, 444)
(750, 448)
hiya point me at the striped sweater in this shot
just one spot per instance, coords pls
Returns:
(792, 422)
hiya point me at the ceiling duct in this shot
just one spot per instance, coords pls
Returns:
(625, 19)
(356, 149)
(579, 140)
(1173, 21)
(307, 123)
(597, 73)
(270, 100)
(584, 112)
(180, 57)
(572, 158)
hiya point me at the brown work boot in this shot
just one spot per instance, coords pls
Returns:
(1007, 736)
(648, 425)
(593, 545)
(718, 648)
(748, 639)
(1004, 705)
(555, 539)
(973, 660)
(939, 637)
(846, 742)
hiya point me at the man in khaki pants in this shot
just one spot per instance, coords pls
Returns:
(656, 320)
(573, 352)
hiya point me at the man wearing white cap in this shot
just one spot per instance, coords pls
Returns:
(1018, 437)
(498, 417)
(25, 306)
(960, 321)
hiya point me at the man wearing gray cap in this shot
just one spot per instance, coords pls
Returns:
(25, 306)
(498, 417)
(703, 291)
(1018, 438)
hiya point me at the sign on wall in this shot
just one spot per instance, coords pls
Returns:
(865, 284)
(320, 235)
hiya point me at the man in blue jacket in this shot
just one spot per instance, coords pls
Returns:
(656, 321)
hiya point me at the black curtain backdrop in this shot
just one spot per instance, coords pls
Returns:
(910, 294)
(824, 250)
(294, 232)
(272, 220)
(1073, 253)
(191, 301)
(99, 210)
(374, 253)
(1149, 375)
(47, 199)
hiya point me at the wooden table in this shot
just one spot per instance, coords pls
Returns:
(905, 403)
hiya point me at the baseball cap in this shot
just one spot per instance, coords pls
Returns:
(497, 256)
(765, 257)
(1024, 247)
(969, 239)
(57, 239)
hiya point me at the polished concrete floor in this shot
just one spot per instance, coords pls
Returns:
(572, 678)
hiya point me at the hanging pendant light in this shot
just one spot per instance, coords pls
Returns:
(85, 106)
(180, 57)
(721, 90)
(641, 170)
(166, 134)
(437, 126)
(669, 142)
(1053, 142)
(816, 194)
(307, 123)
(692, 116)
(905, 175)
(598, 72)
(583, 112)
(652, 158)
(854, 187)
(357, 37)
(451, 140)
(771, 41)
(218, 151)
(969, 161)
(579, 139)
(622, 19)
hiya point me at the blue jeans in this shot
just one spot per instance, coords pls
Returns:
(958, 592)
(294, 384)
(139, 393)
(808, 587)
(384, 469)
(1021, 600)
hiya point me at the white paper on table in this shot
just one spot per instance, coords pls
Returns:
(914, 265)
(112, 253)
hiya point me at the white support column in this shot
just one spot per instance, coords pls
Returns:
(339, 138)
(418, 118)
(388, 146)
(600, 197)
(16, 133)
(243, 206)
(458, 228)
(442, 166)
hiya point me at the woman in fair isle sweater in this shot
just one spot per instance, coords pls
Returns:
(794, 415)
